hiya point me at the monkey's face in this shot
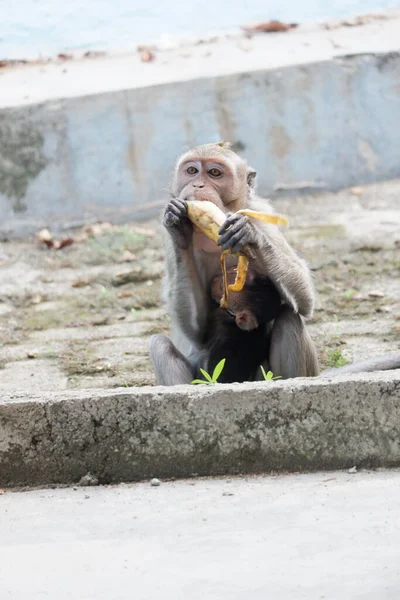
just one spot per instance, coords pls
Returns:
(206, 179)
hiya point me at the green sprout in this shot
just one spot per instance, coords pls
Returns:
(211, 378)
(269, 376)
(208, 379)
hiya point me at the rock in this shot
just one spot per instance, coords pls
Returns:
(155, 482)
(352, 470)
(376, 294)
(88, 480)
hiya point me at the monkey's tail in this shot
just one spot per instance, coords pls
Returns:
(383, 363)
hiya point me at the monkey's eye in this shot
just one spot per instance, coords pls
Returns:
(192, 170)
(214, 172)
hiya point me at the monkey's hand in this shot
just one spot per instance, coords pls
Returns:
(237, 232)
(177, 222)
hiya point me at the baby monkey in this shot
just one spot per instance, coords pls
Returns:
(258, 303)
(240, 332)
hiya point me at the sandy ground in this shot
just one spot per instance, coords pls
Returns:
(81, 316)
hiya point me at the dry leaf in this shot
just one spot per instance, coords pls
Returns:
(134, 276)
(125, 295)
(81, 283)
(98, 229)
(147, 56)
(63, 243)
(269, 27)
(44, 237)
(357, 191)
(127, 256)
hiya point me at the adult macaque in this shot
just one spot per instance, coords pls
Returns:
(215, 173)
(266, 323)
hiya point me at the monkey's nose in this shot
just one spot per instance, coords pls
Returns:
(198, 185)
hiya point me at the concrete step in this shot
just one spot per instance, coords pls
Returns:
(139, 433)
(96, 138)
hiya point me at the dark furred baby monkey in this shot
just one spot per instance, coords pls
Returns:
(258, 302)
(238, 333)
(200, 331)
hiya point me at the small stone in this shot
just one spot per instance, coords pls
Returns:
(228, 494)
(88, 480)
(376, 294)
(383, 309)
(44, 236)
(30, 355)
(352, 470)
(155, 482)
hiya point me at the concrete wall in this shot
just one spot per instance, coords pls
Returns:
(138, 433)
(326, 124)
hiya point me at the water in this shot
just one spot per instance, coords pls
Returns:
(29, 28)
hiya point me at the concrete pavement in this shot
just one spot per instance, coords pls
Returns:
(331, 536)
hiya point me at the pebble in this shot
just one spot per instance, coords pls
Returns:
(88, 480)
(155, 482)
(352, 470)
(376, 294)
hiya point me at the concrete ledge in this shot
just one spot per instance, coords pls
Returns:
(126, 435)
(320, 114)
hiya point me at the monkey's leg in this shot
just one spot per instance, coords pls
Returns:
(292, 353)
(170, 366)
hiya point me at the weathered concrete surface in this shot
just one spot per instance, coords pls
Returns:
(313, 108)
(309, 537)
(125, 435)
(64, 324)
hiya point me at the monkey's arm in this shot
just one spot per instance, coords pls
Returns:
(184, 291)
(274, 257)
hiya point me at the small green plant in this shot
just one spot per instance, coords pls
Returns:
(336, 358)
(218, 370)
(269, 376)
(211, 378)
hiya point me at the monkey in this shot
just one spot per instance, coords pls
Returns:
(249, 310)
(244, 323)
(215, 173)
(248, 307)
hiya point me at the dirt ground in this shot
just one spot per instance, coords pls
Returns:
(80, 316)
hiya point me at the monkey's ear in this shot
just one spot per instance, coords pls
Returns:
(251, 178)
